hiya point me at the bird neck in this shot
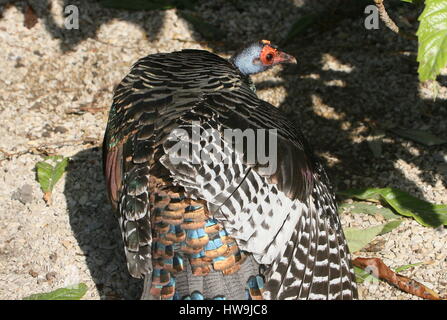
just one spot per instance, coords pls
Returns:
(244, 60)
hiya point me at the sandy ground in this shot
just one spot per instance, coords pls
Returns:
(56, 88)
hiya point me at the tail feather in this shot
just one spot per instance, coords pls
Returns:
(212, 286)
(335, 272)
(319, 284)
(316, 262)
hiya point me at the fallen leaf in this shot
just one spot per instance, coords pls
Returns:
(360, 275)
(75, 292)
(358, 238)
(407, 266)
(367, 208)
(378, 269)
(49, 173)
(424, 137)
(390, 226)
(426, 213)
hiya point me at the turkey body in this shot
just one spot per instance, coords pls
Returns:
(217, 226)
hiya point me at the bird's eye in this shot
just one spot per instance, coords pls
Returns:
(269, 57)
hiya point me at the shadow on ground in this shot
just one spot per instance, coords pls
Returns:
(89, 15)
(96, 229)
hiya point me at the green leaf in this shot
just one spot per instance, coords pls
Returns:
(49, 173)
(390, 226)
(407, 266)
(300, 25)
(359, 238)
(207, 30)
(362, 275)
(416, 2)
(369, 194)
(367, 208)
(148, 4)
(75, 292)
(432, 36)
(426, 213)
(420, 136)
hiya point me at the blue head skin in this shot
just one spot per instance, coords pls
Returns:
(258, 57)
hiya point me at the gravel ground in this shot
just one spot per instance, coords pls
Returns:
(57, 85)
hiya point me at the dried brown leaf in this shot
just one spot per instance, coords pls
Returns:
(381, 271)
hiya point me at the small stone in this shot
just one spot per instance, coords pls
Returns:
(23, 194)
(50, 276)
(19, 63)
(33, 273)
(416, 239)
(46, 134)
(53, 257)
(60, 129)
(66, 244)
(440, 257)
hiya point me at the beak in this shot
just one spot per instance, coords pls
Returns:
(284, 58)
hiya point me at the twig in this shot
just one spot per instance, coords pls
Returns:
(390, 23)
(385, 17)
(381, 271)
(43, 148)
(115, 45)
(83, 109)
(202, 43)
(94, 110)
